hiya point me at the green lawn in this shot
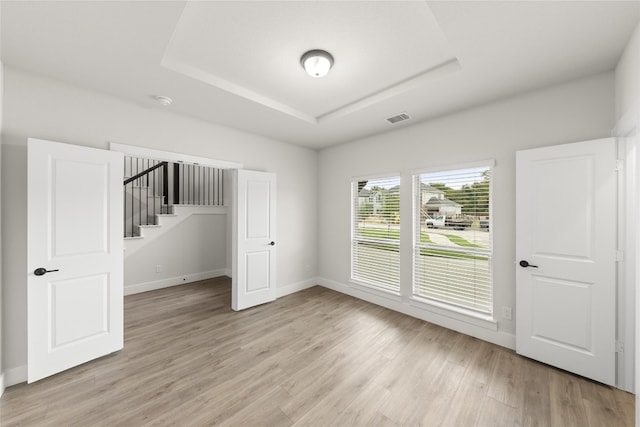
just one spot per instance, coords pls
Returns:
(443, 253)
(393, 234)
(461, 241)
(382, 233)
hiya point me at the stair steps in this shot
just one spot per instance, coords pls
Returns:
(146, 212)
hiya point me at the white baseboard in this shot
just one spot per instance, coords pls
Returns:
(296, 287)
(172, 281)
(500, 338)
(1, 384)
(15, 376)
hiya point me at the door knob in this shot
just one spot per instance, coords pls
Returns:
(42, 271)
(526, 264)
(272, 243)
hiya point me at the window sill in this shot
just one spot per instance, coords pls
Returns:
(483, 320)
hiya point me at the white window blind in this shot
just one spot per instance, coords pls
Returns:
(453, 253)
(375, 231)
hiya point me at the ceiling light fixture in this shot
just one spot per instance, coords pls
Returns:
(317, 63)
(163, 100)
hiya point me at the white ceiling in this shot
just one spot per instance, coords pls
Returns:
(237, 63)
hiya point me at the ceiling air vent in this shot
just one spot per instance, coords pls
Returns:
(399, 118)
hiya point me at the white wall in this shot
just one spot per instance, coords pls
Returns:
(194, 249)
(43, 108)
(627, 82)
(576, 111)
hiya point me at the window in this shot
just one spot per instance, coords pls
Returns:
(375, 233)
(453, 250)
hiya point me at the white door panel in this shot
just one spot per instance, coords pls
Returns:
(254, 261)
(83, 229)
(75, 311)
(257, 204)
(94, 311)
(566, 230)
(257, 271)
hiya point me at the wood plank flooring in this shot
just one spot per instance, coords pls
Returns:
(314, 358)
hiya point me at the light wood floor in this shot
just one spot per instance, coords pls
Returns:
(317, 358)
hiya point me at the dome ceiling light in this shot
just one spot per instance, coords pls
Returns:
(317, 63)
(163, 100)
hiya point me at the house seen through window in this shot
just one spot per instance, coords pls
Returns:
(375, 242)
(452, 252)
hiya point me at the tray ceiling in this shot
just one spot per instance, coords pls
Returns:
(236, 63)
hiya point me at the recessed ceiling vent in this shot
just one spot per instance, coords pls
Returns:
(399, 118)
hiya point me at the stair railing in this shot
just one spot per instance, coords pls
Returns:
(195, 184)
(147, 182)
(174, 183)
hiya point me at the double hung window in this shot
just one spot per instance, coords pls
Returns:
(452, 238)
(375, 233)
(452, 245)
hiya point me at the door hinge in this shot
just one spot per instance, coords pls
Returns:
(619, 256)
(619, 347)
(619, 165)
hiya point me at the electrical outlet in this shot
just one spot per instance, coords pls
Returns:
(159, 268)
(506, 313)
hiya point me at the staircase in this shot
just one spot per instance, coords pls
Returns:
(147, 233)
(158, 195)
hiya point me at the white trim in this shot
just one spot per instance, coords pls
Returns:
(170, 156)
(382, 175)
(172, 281)
(627, 133)
(15, 376)
(450, 320)
(1, 384)
(635, 282)
(456, 166)
(295, 287)
(627, 268)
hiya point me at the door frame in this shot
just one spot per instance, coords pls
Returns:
(627, 133)
(229, 189)
(626, 268)
(172, 156)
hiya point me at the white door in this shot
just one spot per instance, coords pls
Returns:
(254, 244)
(566, 231)
(75, 260)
